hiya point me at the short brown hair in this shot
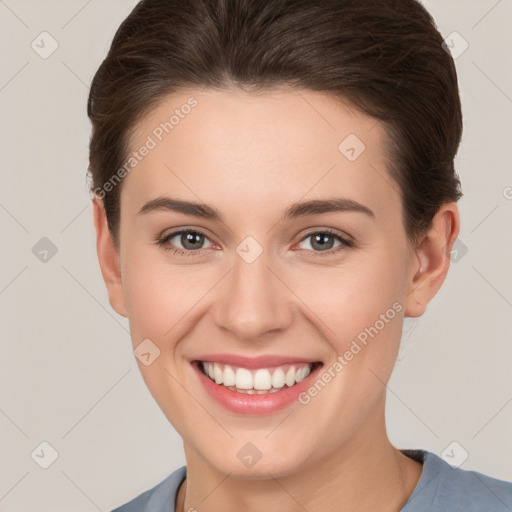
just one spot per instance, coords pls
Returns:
(385, 57)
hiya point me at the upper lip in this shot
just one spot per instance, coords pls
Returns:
(253, 362)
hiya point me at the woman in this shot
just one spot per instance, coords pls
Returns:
(274, 193)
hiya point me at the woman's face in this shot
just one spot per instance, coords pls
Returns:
(261, 279)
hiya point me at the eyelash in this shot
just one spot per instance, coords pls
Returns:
(345, 243)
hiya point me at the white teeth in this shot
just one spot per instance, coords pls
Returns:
(289, 378)
(278, 378)
(229, 376)
(243, 378)
(258, 381)
(262, 380)
(303, 373)
(217, 374)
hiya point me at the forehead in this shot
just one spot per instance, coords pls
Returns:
(258, 148)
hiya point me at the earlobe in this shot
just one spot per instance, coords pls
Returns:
(432, 259)
(108, 257)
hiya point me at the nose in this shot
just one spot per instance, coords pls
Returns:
(253, 300)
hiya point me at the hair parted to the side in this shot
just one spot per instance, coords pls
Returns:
(384, 57)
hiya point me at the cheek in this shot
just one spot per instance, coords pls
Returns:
(362, 306)
(158, 306)
(160, 299)
(353, 296)
(361, 303)
(159, 295)
(149, 301)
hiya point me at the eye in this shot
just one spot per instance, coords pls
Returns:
(191, 242)
(324, 242)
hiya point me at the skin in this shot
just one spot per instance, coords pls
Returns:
(251, 156)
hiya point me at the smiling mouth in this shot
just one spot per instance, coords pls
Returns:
(257, 381)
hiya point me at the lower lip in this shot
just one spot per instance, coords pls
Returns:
(255, 405)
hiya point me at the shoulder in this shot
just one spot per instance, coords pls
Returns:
(160, 498)
(443, 487)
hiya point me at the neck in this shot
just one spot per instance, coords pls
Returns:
(367, 473)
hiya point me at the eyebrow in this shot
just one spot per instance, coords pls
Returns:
(296, 210)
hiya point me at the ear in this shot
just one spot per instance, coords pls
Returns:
(431, 259)
(108, 257)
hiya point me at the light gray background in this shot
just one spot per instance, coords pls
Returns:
(67, 372)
